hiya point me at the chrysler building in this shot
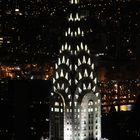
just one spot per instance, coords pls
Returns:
(75, 103)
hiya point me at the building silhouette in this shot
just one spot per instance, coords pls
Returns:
(24, 106)
(75, 104)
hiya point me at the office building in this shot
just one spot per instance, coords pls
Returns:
(75, 104)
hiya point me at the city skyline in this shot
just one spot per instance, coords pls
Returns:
(31, 55)
(37, 35)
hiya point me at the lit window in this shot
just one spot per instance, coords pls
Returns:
(56, 109)
(97, 94)
(76, 96)
(96, 109)
(56, 104)
(16, 10)
(90, 103)
(69, 96)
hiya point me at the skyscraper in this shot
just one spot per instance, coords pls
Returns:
(75, 105)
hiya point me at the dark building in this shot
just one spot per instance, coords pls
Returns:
(25, 109)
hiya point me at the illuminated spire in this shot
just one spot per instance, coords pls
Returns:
(75, 86)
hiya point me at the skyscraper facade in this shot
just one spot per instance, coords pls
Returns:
(75, 104)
